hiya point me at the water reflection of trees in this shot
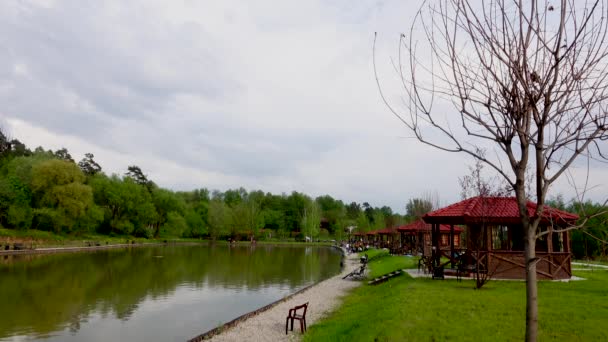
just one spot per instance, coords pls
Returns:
(42, 294)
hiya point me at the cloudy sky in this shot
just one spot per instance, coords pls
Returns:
(271, 95)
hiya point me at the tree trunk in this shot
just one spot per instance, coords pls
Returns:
(531, 285)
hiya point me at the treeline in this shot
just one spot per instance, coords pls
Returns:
(591, 241)
(49, 190)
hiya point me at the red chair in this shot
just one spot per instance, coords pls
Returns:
(293, 315)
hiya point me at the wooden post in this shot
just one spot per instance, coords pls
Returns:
(550, 252)
(433, 243)
(452, 245)
(435, 238)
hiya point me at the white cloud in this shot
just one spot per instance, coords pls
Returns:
(275, 95)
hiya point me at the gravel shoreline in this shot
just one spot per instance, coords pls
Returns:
(269, 325)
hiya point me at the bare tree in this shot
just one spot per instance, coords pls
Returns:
(527, 83)
(475, 184)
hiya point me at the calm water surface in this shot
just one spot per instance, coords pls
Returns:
(170, 293)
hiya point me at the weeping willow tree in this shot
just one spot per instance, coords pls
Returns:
(525, 82)
(311, 220)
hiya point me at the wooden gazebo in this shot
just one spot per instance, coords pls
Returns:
(371, 237)
(416, 237)
(387, 238)
(495, 237)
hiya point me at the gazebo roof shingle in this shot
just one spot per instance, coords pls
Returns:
(494, 210)
(420, 225)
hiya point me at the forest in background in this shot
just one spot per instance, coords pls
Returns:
(49, 191)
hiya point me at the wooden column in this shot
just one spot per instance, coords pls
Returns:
(550, 252)
(452, 245)
(433, 243)
(435, 239)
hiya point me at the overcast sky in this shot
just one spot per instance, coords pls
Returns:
(271, 95)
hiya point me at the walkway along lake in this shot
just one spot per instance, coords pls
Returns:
(168, 293)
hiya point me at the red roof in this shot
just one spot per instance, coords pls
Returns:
(386, 231)
(372, 232)
(421, 226)
(494, 210)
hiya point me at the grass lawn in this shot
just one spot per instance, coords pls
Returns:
(385, 264)
(407, 309)
(44, 239)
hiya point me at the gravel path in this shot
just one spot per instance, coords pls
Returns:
(269, 325)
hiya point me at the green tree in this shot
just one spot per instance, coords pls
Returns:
(5, 145)
(165, 202)
(333, 211)
(353, 210)
(88, 165)
(60, 196)
(379, 222)
(388, 217)
(63, 154)
(136, 174)
(294, 211)
(11, 149)
(592, 240)
(15, 192)
(363, 224)
(197, 227)
(234, 197)
(256, 216)
(15, 198)
(128, 207)
(311, 221)
(369, 212)
(175, 225)
(418, 207)
(220, 219)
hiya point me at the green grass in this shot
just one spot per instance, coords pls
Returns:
(406, 309)
(374, 253)
(383, 263)
(43, 239)
(31, 234)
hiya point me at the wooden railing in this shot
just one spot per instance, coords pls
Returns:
(512, 265)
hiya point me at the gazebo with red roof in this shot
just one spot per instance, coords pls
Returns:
(387, 238)
(416, 237)
(371, 237)
(495, 236)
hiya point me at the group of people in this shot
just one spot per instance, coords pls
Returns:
(355, 246)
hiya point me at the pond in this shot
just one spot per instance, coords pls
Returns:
(169, 293)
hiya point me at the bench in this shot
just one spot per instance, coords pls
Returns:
(356, 273)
